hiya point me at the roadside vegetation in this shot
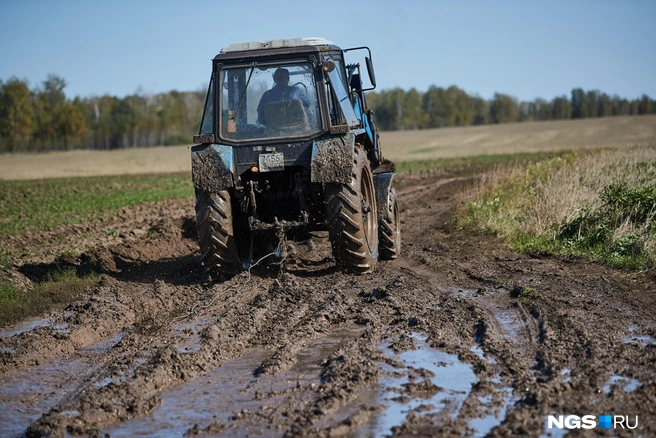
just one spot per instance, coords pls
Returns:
(58, 287)
(600, 205)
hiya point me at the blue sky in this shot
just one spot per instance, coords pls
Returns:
(527, 49)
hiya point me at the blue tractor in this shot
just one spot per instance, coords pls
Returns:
(287, 146)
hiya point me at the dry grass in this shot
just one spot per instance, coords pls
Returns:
(579, 184)
(161, 159)
(599, 203)
(401, 146)
(514, 138)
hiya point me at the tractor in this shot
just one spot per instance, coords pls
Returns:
(288, 146)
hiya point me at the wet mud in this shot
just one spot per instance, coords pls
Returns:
(461, 336)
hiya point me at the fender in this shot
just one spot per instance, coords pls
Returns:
(383, 186)
(212, 167)
(332, 159)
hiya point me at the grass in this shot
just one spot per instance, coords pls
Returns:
(58, 287)
(600, 205)
(41, 205)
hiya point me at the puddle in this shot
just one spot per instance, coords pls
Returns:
(466, 293)
(643, 340)
(454, 380)
(232, 388)
(510, 323)
(189, 332)
(626, 383)
(29, 393)
(190, 344)
(554, 432)
(25, 396)
(102, 346)
(24, 327)
(478, 351)
(566, 372)
(484, 425)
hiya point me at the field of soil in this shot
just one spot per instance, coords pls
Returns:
(460, 336)
(398, 146)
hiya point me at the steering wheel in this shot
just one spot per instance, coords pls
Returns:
(303, 85)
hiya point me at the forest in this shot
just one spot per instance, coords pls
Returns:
(42, 118)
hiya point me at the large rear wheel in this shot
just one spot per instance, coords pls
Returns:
(352, 220)
(223, 251)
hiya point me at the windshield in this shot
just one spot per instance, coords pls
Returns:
(269, 101)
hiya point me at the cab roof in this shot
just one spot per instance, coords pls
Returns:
(277, 44)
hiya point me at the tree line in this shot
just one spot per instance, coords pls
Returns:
(43, 118)
(397, 109)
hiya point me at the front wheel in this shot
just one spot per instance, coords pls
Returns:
(352, 220)
(224, 252)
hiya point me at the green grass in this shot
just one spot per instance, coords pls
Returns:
(41, 205)
(58, 287)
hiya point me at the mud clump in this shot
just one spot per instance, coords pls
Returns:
(212, 429)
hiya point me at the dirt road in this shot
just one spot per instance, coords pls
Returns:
(461, 336)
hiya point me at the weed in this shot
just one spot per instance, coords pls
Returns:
(67, 253)
(6, 259)
(525, 293)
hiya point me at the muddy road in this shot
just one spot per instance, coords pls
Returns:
(461, 336)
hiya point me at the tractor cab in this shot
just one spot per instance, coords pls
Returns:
(285, 90)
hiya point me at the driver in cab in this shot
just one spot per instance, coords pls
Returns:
(281, 91)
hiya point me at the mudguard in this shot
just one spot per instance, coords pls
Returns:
(212, 167)
(382, 186)
(332, 159)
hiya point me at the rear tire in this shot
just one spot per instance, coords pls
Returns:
(352, 220)
(390, 229)
(223, 253)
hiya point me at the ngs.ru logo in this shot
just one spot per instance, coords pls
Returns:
(590, 422)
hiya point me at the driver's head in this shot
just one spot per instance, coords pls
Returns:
(281, 76)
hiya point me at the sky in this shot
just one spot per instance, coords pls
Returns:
(528, 49)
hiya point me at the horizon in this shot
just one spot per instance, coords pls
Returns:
(528, 51)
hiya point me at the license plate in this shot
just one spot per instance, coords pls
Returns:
(272, 162)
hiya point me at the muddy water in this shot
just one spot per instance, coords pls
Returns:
(27, 394)
(27, 326)
(234, 395)
(453, 380)
(233, 392)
